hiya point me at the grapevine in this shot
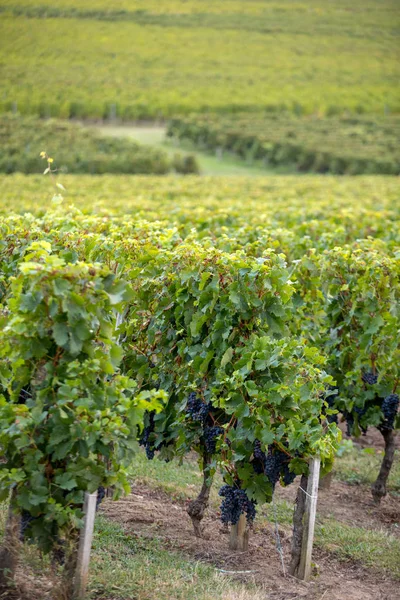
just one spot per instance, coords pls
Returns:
(369, 377)
(67, 312)
(210, 435)
(196, 409)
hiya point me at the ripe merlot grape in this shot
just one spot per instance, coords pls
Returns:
(287, 475)
(277, 466)
(196, 409)
(210, 435)
(369, 377)
(349, 423)
(259, 459)
(24, 395)
(360, 412)
(146, 440)
(101, 492)
(26, 520)
(236, 502)
(390, 407)
(274, 464)
(331, 399)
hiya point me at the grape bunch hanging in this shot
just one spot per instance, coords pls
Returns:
(389, 406)
(235, 503)
(147, 439)
(200, 412)
(275, 464)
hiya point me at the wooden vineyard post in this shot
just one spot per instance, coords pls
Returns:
(239, 539)
(304, 570)
(85, 544)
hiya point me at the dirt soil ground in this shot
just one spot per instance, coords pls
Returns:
(371, 439)
(352, 504)
(152, 513)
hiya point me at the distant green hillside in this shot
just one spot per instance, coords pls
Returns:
(150, 58)
(352, 145)
(76, 149)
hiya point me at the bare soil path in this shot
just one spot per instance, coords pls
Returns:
(151, 513)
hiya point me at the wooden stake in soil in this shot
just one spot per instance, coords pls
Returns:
(239, 539)
(85, 544)
(298, 526)
(311, 493)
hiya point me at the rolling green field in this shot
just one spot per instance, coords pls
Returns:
(77, 150)
(210, 163)
(279, 200)
(161, 59)
(351, 145)
(80, 149)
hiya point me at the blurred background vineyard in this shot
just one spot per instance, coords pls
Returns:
(148, 59)
(297, 73)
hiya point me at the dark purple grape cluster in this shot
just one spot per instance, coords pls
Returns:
(196, 409)
(277, 466)
(24, 395)
(230, 511)
(331, 399)
(210, 435)
(360, 412)
(150, 451)
(259, 454)
(246, 506)
(235, 502)
(369, 377)
(26, 520)
(349, 422)
(390, 406)
(259, 458)
(287, 475)
(274, 464)
(101, 493)
(58, 550)
(146, 438)
(251, 511)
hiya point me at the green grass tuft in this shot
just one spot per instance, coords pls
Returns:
(361, 466)
(375, 549)
(128, 567)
